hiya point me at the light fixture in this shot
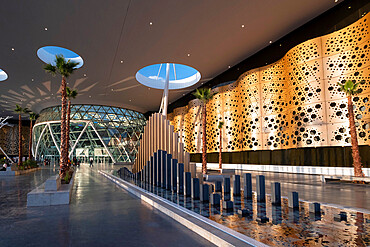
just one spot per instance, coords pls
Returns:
(270, 41)
(188, 54)
(336, 1)
(129, 100)
(112, 89)
(85, 75)
(13, 49)
(150, 23)
(243, 25)
(349, 7)
(32, 79)
(45, 28)
(229, 66)
(121, 61)
(89, 96)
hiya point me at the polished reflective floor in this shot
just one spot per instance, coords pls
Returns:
(310, 188)
(100, 214)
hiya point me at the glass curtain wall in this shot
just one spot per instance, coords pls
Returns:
(105, 133)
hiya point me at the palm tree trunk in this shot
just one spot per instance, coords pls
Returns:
(355, 150)
(30, 142)
(220, 153)
(68, 126)
(204, 148)
(63, 151)
(19, 140)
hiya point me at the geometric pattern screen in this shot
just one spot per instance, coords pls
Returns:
(291, 103)
(99, 132)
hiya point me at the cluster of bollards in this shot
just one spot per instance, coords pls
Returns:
(165, 172)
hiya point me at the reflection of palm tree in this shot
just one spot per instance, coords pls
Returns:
(20, 110)
(71, 94)
(32, 117)
(204, 95)
(350, 89)
(65, 69)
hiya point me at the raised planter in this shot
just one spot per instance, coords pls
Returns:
(9, 172)
(51, 193)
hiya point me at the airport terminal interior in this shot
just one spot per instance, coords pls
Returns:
(185, 123)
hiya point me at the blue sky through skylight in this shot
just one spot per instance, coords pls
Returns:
(3, 75)
(182, 71)
(47, 54)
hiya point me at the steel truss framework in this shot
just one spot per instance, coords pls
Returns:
(102, 132)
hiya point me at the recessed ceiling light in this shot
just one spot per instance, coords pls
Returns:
(280, 45)
(242, 25)
(85, 75)
(13, 49)
(130, 100)
(349, 7)
(270, 41)
(150, 23)
(188, 54)
(32, 79)
(89, 96)
(229, 66)
(121, 61)
(336, 1)
(45, 28)
(112, 89)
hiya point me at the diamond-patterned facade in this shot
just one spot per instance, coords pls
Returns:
(102, 132)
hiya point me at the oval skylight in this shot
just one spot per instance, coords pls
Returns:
(181, 76)
(47, 55)
(3, 75)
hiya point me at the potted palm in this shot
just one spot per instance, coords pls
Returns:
(64, 68)
(204, 95)
(220, 125)
(350, 88)
(19, 110)
(71, 94)
(32, 117)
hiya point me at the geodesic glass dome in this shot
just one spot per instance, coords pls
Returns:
(105, 133)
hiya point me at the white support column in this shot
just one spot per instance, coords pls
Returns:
(166, 87)
(105, 146)
(78, 139)
(40, 137)
(52, 137)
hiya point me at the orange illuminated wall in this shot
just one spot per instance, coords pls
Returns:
(291, 103)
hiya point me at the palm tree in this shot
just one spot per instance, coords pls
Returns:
(220, 125)
(204, 95)
(19, 110)
(71, 94)
(32, 117)
(350, 88)
(65, 69)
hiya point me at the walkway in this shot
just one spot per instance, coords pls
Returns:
(100, 214)
(310, 188)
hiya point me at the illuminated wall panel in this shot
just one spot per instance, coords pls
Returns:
(291, 103)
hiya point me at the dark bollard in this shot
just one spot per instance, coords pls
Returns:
(164, 169)
(204, 193)
(155, 169)
(215, 199)
(248, 186)
(236, 183)
(315, 208)
(168, 172)
(195, 189)
(173, 175)
(226, 185)
(218, 186)
(293, 201)
(159, 168)
(228, 205)
(342, 216)
(244, 212)
(187, 184)
(261, 192)
(275, 194)
(180, 178)
(277, 216)
(151, 171)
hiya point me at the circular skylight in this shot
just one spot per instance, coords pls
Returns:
(3, 75)
(47, 54)
(180, 76)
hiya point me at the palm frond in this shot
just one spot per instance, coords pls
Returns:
(32, 115)
(220, 124)
(50, 69)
